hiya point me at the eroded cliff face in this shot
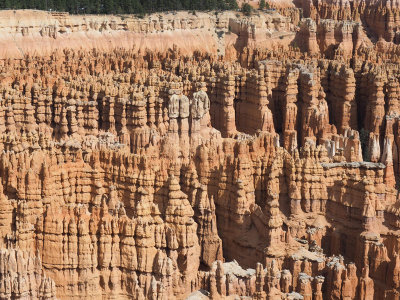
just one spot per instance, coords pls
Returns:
(261, 162)
(380, 18)
(28, 32)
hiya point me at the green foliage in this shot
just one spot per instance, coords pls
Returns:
(119, 6)
(247, 9)
(262, 4)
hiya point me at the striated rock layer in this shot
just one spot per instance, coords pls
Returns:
(260, 162)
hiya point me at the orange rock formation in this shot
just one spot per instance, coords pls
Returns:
(201, 156)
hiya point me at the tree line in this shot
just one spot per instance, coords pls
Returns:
(118, 6)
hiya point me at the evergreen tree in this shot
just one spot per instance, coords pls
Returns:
(233, 4)
(262, 4)
(84, 6)
(137, 8)
(72, 6)
(60, 5)
(96, 7)
(247, 9)
(148, 5)
(108, 6)
(119, 6)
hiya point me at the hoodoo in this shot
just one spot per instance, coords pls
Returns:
(249, 153)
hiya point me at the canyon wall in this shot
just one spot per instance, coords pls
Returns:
(200, 156)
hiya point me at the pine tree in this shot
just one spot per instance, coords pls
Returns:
(96, 7)
(262, 4)
(60, 5)
(137, 8)
(84, 6)
(72, 6)
(150, 5)
(109, 6)
(247, 9)
(119, 6)
(233, 4)
(8, 4)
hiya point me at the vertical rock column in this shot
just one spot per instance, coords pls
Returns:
(6, 217)
(387, 153)
(374, 116)
(181, 233)
(290, 116)
(173, 115)
(92, 118)
(199, 117)
(73, 123)
(140, 135)
(124, 136)
(392, 125)
(314, 109)
(211, 244)
(184, 112)
(266, 122)
(342, 87)
(306, 38)
(226, 123)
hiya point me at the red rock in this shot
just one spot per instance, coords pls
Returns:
(243, 156)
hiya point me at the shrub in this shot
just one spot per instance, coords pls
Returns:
(247, 9)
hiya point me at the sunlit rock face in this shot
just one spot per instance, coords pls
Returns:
(201, 156)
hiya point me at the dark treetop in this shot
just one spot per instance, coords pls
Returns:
(118, 6)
